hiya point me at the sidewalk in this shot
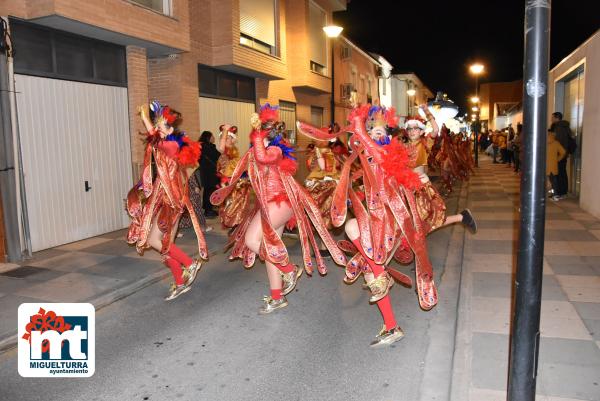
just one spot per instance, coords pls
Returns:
(99, 270)
(569, 359)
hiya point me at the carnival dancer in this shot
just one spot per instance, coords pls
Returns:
(430, 205)
(384, 226)
(155, 206)
(237, 204)
(322, 177)
(270, 166)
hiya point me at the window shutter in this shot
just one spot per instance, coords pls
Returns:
(318, 39)
(257, 20)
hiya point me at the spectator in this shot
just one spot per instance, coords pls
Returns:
(554, 153)
(563, 134)
(517, 147)
(208, 171)
(509, 145)
(502, 146)
(495, 142)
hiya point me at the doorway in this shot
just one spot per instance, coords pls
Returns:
(570, 97)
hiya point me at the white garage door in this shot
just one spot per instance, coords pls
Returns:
(214, 112)
(76, 158)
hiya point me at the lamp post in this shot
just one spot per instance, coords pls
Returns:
(332, 32)
(476, 69)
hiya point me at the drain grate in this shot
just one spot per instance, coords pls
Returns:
(24, 271)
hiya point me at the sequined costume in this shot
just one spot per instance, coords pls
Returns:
(237, 205)
(387, 226)
(430, 205)
(321, 182)
(270, 168)
(167, 196)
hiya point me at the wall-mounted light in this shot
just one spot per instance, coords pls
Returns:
(332, 31)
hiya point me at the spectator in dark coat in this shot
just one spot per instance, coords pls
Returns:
(208, 171)
(562, 130)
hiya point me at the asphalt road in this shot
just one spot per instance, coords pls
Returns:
(211, 344)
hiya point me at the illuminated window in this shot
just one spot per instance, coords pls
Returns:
(258, 25)
(317, 38)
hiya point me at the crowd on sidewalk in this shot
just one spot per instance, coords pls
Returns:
(504, 146)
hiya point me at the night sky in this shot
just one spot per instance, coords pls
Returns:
(438, 40)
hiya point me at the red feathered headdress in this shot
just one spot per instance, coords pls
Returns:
(162, 113)
(268, 113)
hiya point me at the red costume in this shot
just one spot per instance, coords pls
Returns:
(388, 226)
(270, 170)
(159, 203)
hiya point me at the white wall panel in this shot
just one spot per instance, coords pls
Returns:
(214, 112)
(72, 132)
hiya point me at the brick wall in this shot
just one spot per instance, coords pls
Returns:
(365, 68)
(174, 81)
(121, 16)
(137, 90)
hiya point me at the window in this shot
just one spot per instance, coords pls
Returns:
(318, 39)
(287, 114)
(74, 58)
(33, 49)
(55, 54)
(225, 85)
(318, 68)
(316, 116)
(162, 6)
(258, 25)
(346, 52)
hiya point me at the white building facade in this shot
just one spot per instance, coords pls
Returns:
(574, 90)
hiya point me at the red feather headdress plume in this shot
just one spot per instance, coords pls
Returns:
(168, 115)
(360, 111)
(391, 118)
(268, 113)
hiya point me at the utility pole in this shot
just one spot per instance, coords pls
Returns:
(525, 341)
(8, 182)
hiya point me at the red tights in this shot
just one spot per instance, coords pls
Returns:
(384, 304)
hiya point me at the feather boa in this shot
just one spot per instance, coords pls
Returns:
(283, 145)
(396, 164)
(189, 152)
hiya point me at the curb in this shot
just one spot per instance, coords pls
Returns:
(9, 341)
(461, 361)
(437, 379)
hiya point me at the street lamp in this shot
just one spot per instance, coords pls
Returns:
(476, 69)
(332, 32)
(475, 108)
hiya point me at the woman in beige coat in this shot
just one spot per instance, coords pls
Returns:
(554, 153)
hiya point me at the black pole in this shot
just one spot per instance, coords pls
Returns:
(525, 339)
(8, 178)
(477, 125)
(332, 83)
